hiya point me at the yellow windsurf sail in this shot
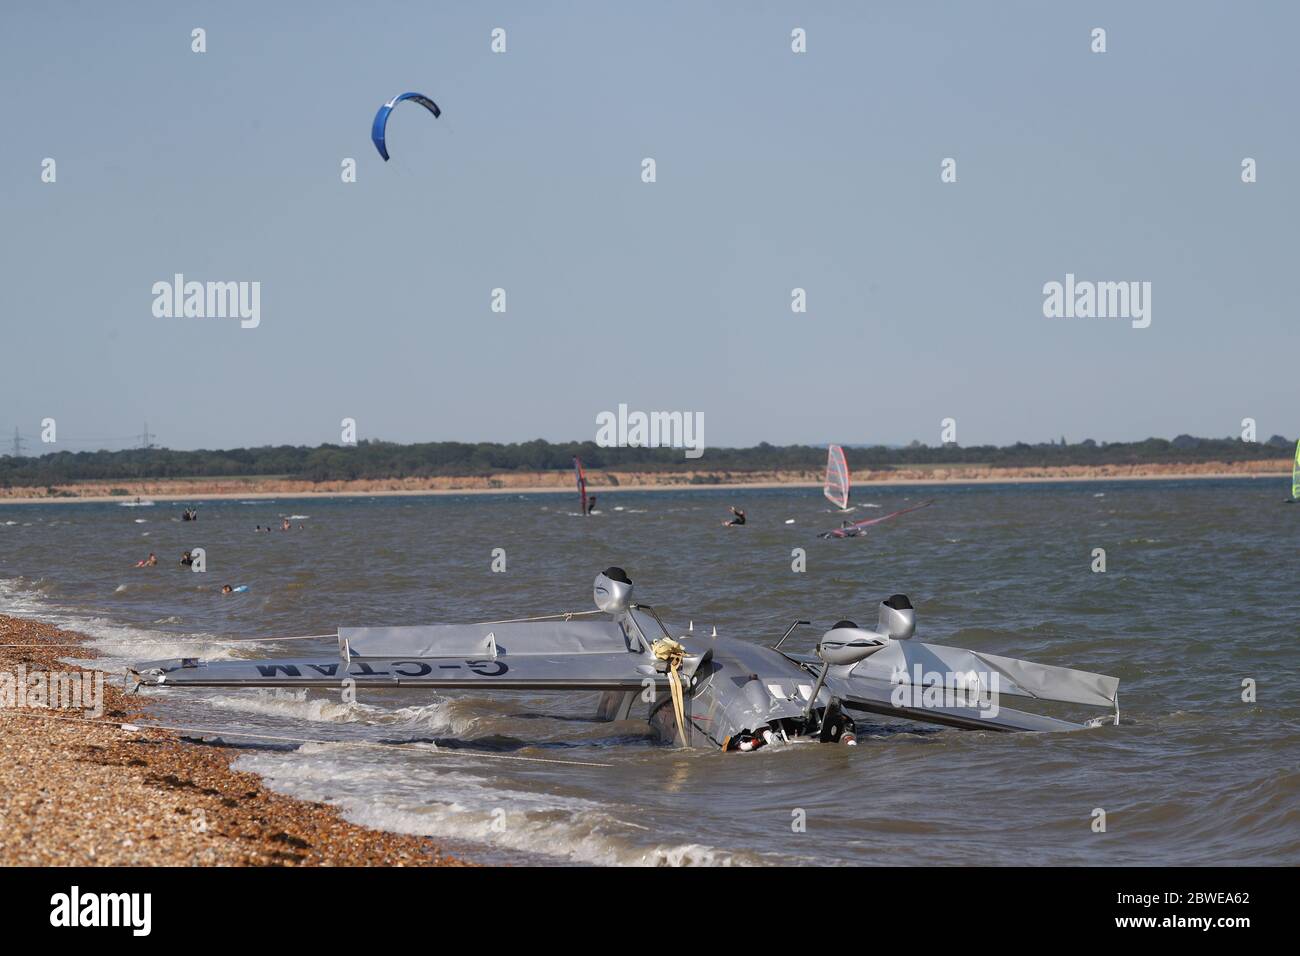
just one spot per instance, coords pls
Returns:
(1295, 473)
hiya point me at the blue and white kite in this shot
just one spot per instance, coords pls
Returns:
(381, 118)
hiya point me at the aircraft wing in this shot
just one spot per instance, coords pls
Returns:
(559, 655)
(960, 688)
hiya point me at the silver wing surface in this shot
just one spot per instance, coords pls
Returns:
(960, 688)
(558, 655)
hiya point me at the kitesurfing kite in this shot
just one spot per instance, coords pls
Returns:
(847, 530)
(381, 118)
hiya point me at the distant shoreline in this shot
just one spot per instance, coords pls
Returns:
(611, 483)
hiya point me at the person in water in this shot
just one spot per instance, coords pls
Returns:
(284, 524)
(187, 559)
(591, 504)
(227, 589)
(148, 562)
(738, 517)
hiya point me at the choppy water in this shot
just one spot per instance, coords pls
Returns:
(1200, 593)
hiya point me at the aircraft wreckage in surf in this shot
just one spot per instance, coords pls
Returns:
(696, 690)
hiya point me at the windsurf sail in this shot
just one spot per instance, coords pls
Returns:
(836, 488)
(860, 527)
(1295, 473)
(582, 484)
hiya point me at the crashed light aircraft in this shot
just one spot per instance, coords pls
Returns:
(723, 692)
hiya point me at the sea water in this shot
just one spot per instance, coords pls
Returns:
(1197, 600)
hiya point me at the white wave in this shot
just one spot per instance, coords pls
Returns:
(17, 600)
(441, 716)
(294, 704)
(416, 795)
(116, 642)
(300, 705)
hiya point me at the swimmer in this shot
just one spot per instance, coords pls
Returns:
(284, 524)
(187, 560)
(738, 519)
(148, 562)
(227, 589)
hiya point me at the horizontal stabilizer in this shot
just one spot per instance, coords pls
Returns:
(1049, 682)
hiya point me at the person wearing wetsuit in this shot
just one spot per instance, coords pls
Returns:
(739, 518)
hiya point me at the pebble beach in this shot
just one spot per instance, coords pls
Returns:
(77, 790)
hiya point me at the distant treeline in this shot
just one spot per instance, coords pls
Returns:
(380, 459)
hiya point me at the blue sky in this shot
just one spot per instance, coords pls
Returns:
(775, 171)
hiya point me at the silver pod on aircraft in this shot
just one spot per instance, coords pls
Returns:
(730, 693)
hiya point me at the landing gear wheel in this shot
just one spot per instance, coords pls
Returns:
(835, 724)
